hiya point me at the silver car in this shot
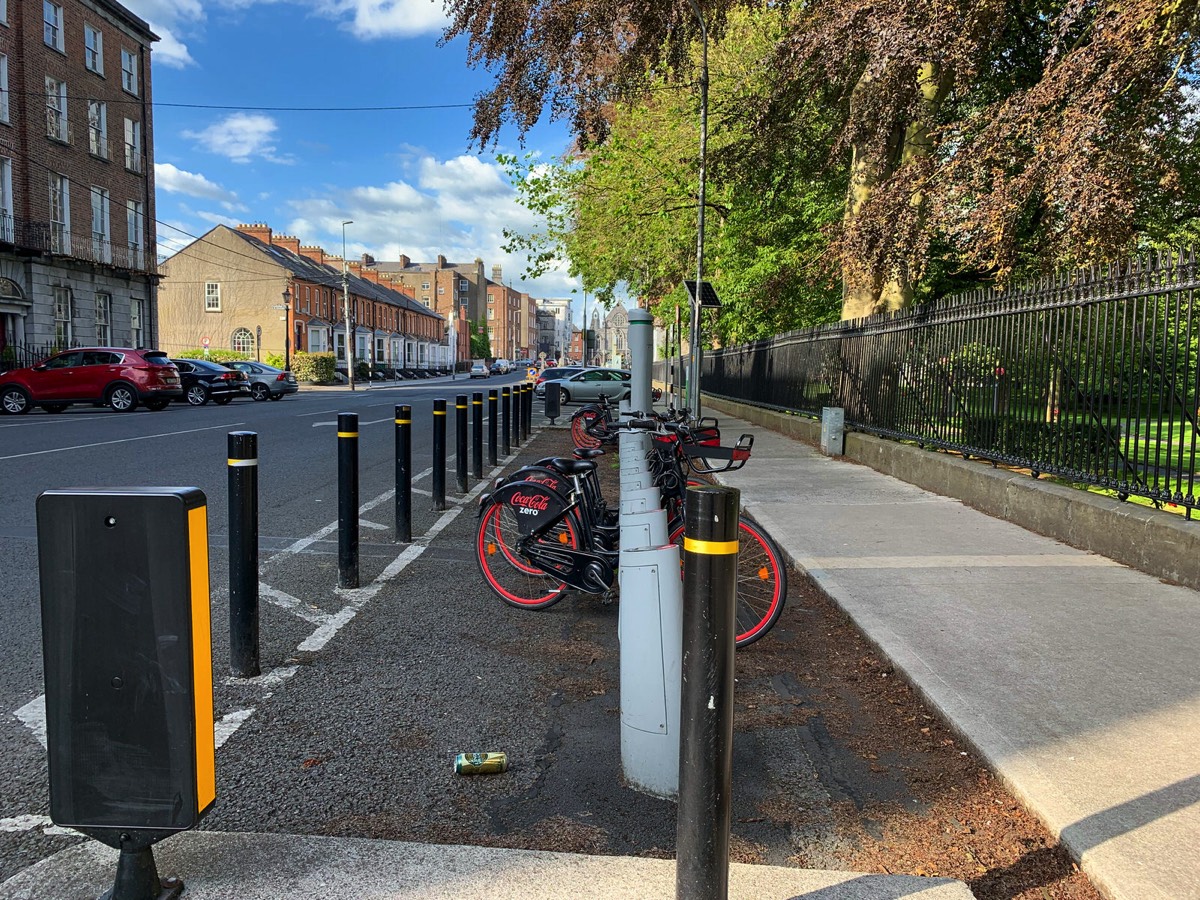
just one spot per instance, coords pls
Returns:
(266, 382)
(590, 385)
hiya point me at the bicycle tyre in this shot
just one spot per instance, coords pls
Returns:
(509, 575)
(762, 581)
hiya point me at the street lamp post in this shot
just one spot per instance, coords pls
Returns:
(694, 374)
(287, 329)
(346, 308)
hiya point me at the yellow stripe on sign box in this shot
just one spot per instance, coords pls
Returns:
(206, 749)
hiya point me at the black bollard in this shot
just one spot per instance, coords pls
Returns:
(518, 413)
(460, 440)
(347, 426)
(243, 554)
(552, 402)
(492, 413)
(506, 431)
(477, 434)
(404, 474)
(528, 409)
(710, 547)
(439, 454)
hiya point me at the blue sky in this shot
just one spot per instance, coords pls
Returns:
(407, 179)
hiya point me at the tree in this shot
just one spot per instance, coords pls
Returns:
(976, 139)
(481, 345)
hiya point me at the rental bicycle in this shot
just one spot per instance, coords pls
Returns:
(548, 528)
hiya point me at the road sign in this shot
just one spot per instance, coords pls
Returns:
(204, 342)
(280, 306)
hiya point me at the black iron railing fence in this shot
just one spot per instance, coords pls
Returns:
(1091, 377)
(18, 356)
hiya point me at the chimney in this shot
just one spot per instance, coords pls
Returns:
(257, 230)
(404, 261)
(441, 261)
(354, 266)
(287, 242)
(316, 254)
(498, 274)
(367, 260)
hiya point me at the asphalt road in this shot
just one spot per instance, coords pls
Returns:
(302, 612)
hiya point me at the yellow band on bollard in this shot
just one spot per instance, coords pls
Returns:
(710, 548)
(347, 434)
(477, 402)
(439, 412)
(460, 406)
(243, 462)
(404, 421)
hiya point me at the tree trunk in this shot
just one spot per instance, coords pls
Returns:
(868, 291)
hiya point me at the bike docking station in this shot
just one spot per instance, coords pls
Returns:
(650, 616)
(127, 650)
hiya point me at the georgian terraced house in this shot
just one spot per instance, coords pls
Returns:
(77, 251)
(257, 292)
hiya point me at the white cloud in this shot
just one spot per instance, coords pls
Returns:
(241, 137)
(174, 180)
(374, 19)
(168, 19)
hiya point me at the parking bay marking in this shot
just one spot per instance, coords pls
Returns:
(144, 437)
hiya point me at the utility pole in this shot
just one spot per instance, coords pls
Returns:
(346, 308)
(694, 379)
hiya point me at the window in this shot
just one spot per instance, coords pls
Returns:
(60, 213)
(93, 49)
(133, 229)
(4, 11)
(101, 243)
(64, 318)
(378, 349)
(491, 297)
(6, 200)
(98, 128)
(104, 319)
(441, 290)
(212, 297)
(56, 110)
(491, 313)
(424, 285)
(4, 87)
(135, 322)
(242, 341)
(129, 79)
(52, 31)
(133, 145)
(425, 300)
(464, 285)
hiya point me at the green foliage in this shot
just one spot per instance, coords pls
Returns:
(314, 368)
(274, 359)
(214, 354)
(481, 345)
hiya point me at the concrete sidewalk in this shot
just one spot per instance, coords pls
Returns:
(1076, 678)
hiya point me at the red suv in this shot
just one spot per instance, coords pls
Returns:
(118, 376)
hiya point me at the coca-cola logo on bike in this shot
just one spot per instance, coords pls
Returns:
(547, 480)
(539, 502)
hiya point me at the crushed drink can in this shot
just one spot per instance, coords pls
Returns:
(480, 763)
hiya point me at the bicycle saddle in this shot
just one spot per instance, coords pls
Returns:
(588, 452)
(571, 467)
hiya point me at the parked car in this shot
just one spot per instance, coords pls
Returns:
(495, 369)
(204, 380)
(590, 385)
(551, 374)
(479, 370)
(266, 381)
(118, 376)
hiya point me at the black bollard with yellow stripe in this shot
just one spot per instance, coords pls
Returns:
(347, 432)
(710, 549)
(438, 484)
(404, 474)
(460, 440)
(477, 434)
(506, 430)
(127, 655)
(243, 554)
(492, 413)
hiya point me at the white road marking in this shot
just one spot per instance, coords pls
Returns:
(33, 717)
(145, 437)
(29, 823)
(373, 525)
(229, 724)
(271, 679)
(292, 604)
(360, 424)
(56, 420)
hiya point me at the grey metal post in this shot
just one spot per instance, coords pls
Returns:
(641, 349)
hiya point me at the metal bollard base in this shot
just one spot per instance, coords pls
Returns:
(137, 879)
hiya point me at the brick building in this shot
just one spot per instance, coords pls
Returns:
(257, 292)
(77, 248)
(441, 286)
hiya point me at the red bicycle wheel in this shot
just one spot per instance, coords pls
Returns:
(510, 575)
